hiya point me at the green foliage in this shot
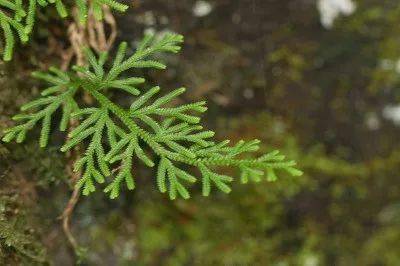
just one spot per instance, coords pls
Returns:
(10, 237)
(115, 134)
(19, 18)
(18, 242)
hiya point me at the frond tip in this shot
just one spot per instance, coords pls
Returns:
(151, 131)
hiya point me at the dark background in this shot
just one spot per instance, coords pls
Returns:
(268, 69)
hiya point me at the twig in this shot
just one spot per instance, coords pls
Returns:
(66, 218)
(93, 34)
(67, 213)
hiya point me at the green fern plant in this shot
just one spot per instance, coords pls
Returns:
(19, 18)
(116, 136)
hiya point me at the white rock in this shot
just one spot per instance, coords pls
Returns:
(202, 8)
(330, 9)
(392, 112)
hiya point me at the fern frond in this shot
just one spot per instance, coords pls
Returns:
(10, 24)
(149, 46)
(96, 167)
(18, 18)
(149, 131)
(84, 7)
(42, 109)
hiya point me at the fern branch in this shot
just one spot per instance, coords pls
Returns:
(18, 18)
(116, 136)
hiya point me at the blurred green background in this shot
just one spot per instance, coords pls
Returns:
(318, 80)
